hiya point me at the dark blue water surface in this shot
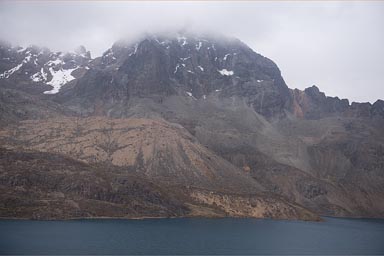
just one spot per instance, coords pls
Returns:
(192, 236)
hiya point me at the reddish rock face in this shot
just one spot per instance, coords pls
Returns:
(313, 104)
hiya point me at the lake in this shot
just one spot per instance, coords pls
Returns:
(192, 236)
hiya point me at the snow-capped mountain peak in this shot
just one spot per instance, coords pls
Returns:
(40, 66)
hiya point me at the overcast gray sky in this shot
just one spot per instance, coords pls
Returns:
(338, 46)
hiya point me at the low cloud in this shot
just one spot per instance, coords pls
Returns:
(335, 45)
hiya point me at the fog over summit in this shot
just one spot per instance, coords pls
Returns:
(335, 45)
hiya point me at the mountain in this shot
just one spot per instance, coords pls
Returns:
(199, 67)
(203, 116)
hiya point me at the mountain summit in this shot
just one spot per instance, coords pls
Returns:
(197, 67)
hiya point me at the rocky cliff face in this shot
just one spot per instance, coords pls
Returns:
(313, 104)
(186, 65)
(204, 116)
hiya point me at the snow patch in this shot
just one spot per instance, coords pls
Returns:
(43, 74)
(36, 77)
(39, 76)
(83, 54)
(226, 72)
(226, 56)
(54, 62)
(201, 68)
(182, 39)
(108, 53)
(59, 78)
(135, 50)
(163, 43)
(198, 46)
(259, 81)
(176, 69)
(8, 73)
(136, 46)
(27, 59)
(157, 40)
(191, 95)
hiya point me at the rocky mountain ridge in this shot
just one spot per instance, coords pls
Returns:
(187, 57)
(40, 66)
(313, 104)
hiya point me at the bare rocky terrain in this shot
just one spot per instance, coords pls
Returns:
(180, 125)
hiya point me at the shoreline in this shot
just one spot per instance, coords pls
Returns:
(322, 218)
